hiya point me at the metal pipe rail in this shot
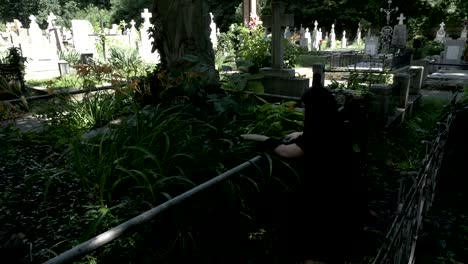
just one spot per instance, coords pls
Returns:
(116, 232)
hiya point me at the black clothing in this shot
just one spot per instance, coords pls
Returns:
(329, 202)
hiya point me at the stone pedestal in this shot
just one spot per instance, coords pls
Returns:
(285, 86)
(279, 73)
(400, 89)
(380, 106)
(416, 73)
(425, 64)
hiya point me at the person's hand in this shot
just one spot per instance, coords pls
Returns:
(255, 137)
(293, 136)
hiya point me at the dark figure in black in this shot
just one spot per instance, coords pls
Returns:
(328, 208)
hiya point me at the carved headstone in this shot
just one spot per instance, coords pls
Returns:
(441, 33)
(308, 37)
(400, 33)
(332, 37)
(344, 41)
(372, 46)
(358, 35)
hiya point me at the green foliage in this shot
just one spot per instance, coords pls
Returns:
(431, 48)
(241, 43)
(70, 55)
(126, 62)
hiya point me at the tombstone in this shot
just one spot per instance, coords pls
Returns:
(276, 21)
(381, 101)
(308, 38)
(453, 50)
(315, 36)
(303, 41)
(400, 89)
(132, 34)
(213, 37)
(344, 41)
(84, 43)
(278, 79)
(464, 33)
(358, 35)
(332, 37)
(146, 39)
(400, 33)
(35, 33)
(114, 30)
(372, 46)
(425, 63)
(287, 33)
(416, 73)
(54, 32)
(319, 38)
(440, 37)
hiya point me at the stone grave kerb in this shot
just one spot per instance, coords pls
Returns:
(276, 21)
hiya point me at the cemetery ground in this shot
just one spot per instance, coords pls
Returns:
(65, 185)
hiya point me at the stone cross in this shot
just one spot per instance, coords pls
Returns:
(277, 20)
(32, 18)
(400, 19)
(442, 25)
(315, 24)
(50, 19)
(51, 27)
(388, 11)
(146, 16)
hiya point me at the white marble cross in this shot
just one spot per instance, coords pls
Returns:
(32, 18)
(442, 25)
(146, 15)
(315, 24)
(400, 19)
(133, 23)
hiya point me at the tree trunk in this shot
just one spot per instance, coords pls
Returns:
(182, 27)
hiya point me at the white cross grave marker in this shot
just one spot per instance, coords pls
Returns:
(146, 15)
(400, 19)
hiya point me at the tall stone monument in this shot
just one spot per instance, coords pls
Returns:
(277, 20)
(278, 79)
(440, 37)
(332, 37)
(400, 33)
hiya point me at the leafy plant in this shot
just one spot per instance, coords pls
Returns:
(72, 56)
(126, 62)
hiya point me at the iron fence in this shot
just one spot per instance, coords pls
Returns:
(367, 63)
(417, 191)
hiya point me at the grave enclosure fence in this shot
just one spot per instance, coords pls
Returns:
(352, 62)
(416, 195)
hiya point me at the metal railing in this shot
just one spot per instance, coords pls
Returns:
(116, 232)
(367, 63)
(417, 191)
(416, 195)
